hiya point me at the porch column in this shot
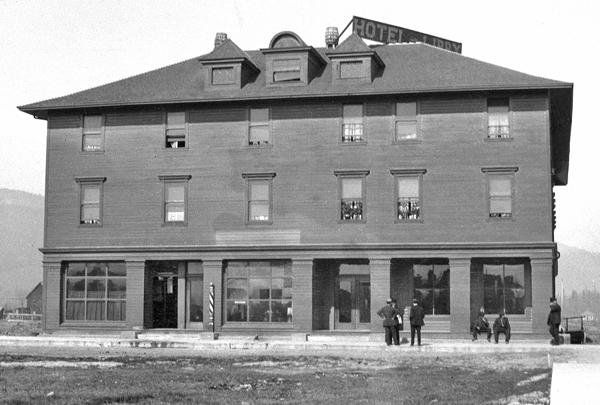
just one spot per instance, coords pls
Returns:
(51, 294)
(541, 291)
(139, 295)
(181, 296)
(380, 288)
(213, 273)
(460, 295)
(302, 294)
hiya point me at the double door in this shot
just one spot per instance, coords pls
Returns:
(353, 309)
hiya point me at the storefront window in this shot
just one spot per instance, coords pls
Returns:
(95, 291)
(504, 288)
(258, 291)
(432, 287)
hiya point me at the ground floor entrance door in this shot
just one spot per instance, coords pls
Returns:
(353, 296)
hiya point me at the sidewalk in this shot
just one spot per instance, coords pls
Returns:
(205, 342)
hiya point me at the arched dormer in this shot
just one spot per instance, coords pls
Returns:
(290, 62)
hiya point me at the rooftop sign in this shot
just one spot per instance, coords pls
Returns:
(386, 33)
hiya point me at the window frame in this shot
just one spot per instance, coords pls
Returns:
(255, 177)
(525, 286)
(101, 133)
(433, 288)
(507, 138)
(408, 173)
(274, 71)
(175, 179)
(266, 124)
(89, 181)
(510, 173)
(363, 123)
(64, 299)
(360, 62)
(224, 67)
(399, 118)
(351, 174)
(185, 129)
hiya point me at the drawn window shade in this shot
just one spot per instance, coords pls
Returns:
(500, 196)
(286, 71)
(351, 69)
(352, 127)
(406, 121)
(95, 291)
(92, 133)
(175, 201)
(259, 200)
(90, 204)
(259, 132)
(176, 130)
(223, 75)
(498, 121)
(409, 199)
(352, 202)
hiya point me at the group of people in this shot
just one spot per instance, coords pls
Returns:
(393, 323)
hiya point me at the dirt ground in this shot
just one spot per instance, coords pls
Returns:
(155, 376)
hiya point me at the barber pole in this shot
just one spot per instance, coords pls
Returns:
(211, 306)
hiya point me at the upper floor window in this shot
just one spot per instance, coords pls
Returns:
(408, 193)
(286, 71)
(406, 122)
(175, 134)
(500, 191)
(175, 198)
(93, 136)
(352, 192)
(258, 131)
(352, 127)
(498, 123)
(259, 197)
(352, 69)
(223, 75)
(90, 200)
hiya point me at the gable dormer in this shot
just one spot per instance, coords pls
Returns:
(227, 67)
(354, 60)
(290, 62)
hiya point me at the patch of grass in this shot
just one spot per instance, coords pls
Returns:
(20, 328)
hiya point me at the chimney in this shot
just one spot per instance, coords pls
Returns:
(331, 37)
(220, 38)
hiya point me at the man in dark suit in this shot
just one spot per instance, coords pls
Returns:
(501, 325)
(554, 318)
(417, 314)
(388, 314)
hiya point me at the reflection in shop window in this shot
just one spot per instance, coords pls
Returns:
(432, 287)
(258, 291)
(504, 288)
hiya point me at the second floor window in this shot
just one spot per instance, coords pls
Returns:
(92, 133)
(352, 201)
(409, 198)
(406, 122)
(175, 190)
(500, 195)
(258, 131)
(498, 124)
(90, 200)
(352, 126)
(259, 197)
(176, 130)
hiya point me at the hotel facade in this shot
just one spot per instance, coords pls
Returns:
(304, 186)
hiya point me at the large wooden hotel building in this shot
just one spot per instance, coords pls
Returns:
(305, 185)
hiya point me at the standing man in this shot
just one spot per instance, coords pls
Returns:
(397, 322)
(416, 321)
(554, 318)
(388, 314)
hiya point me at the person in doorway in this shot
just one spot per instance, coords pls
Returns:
(388, 313)
(501, 325)
(554, 318)
(397, 323)
(417, 314)
(481, 325)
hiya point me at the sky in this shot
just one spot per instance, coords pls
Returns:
(50, 48)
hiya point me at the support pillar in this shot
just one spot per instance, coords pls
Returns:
(380, 288)
(139, 295)
(302, 294)
(51, 295)
(213, 273)
(181, 295)
(460, 295)
(541, 291)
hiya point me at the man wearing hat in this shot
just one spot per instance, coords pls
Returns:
(554, 318)
(501, 325)
(388, 314)
(416, 321)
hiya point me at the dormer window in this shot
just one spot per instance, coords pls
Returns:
(286, 70)
(353, 60)
(223, 75)
(352, 69)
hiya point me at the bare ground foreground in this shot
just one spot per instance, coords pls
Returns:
(396, 375)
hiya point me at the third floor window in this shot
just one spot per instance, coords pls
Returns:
(175, 133)
(352, 126)
(258, 131)
(498, 123)
(406, 122)
(93, 137)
